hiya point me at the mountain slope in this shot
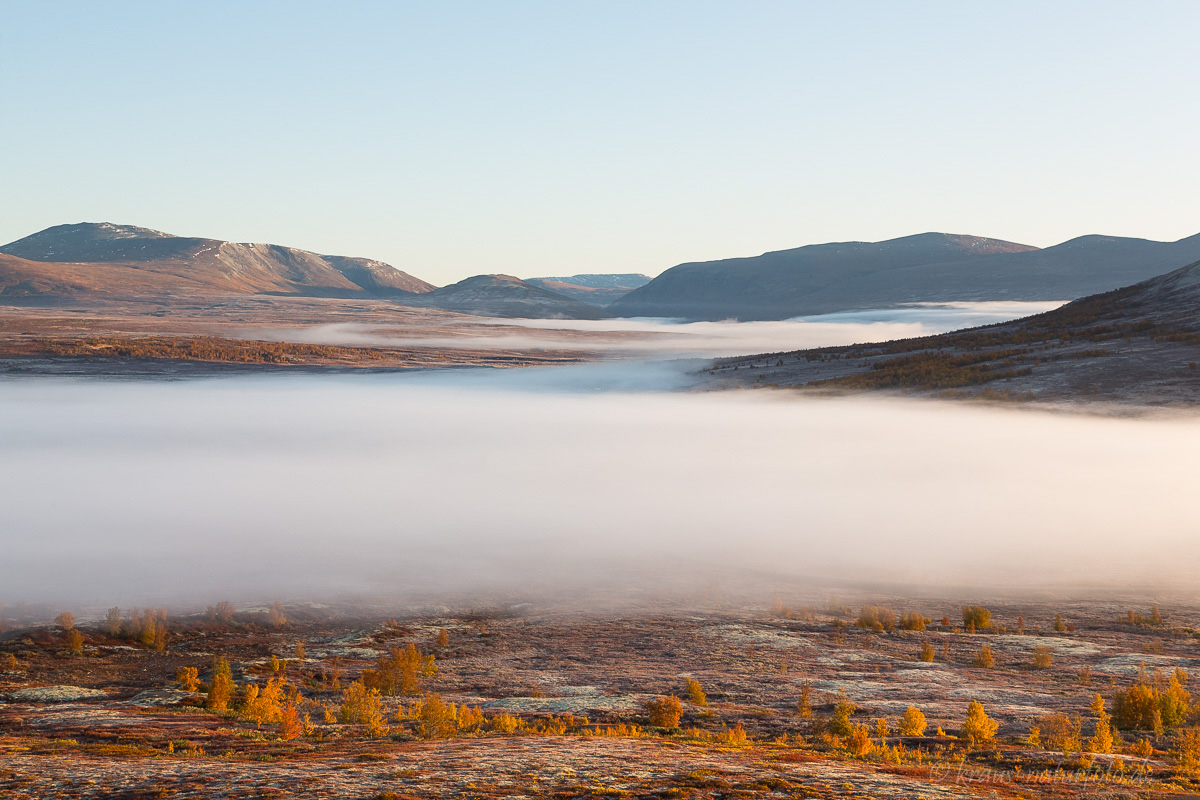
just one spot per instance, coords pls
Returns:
(929, 267)
(126, 259)
(1138, 344)
(506, 296)
(597, 289)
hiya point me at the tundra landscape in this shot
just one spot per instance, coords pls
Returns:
(566, 400)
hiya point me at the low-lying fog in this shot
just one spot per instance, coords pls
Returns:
(665, 338)
(304, 487)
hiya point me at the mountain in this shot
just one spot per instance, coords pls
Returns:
(506, 296)
(1138, 344)
(928, 267)
(596, 289)
(103, 258)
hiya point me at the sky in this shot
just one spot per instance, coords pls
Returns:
(547, 138)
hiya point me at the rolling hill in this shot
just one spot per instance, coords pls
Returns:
(506, 296)
(1139, 344)
(107, 259)
(929, 267)
(595, 289)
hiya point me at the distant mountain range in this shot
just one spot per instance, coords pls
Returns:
(599, 290)
(506, 296)
(97, 260)
(102, 260)
(928, 267)
(1139, 344)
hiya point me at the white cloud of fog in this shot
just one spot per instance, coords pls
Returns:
(122, 492)
(672, 338)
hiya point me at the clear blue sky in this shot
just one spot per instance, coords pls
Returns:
(535, 138)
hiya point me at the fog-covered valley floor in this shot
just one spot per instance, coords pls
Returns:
(586, 477)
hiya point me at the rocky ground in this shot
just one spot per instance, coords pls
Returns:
(112, 720)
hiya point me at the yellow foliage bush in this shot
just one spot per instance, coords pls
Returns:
(664, 712)
(912, 723)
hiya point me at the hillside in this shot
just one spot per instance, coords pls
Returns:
(506, 296)
(930, 267)
(595, 289)
(1139, 344)
(117, 260)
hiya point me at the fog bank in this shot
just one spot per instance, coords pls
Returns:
(665, 338)
(300, 488)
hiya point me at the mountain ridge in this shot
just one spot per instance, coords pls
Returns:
(931, 267)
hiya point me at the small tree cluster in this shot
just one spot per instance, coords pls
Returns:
(976, 618)
(912, 621)
(400, 671)
(695, 692)
(1144, 706)
(876, 618)
(148, 627)
(363, 705)
(222, 612)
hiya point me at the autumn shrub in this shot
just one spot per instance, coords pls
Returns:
(912, 621)
(1043, 657)
(1061, 732)
(435, 718)
(1142, 748)
(65, 620)
(503, 722)
(290, 724)
(976, 617)
(926, 652)
(664, 712)
(469, 719)
(188, 678)
(979, 728)
(222, 612)
(734, 735)
(985, 658)
(1144, 707)
(74, 642)
(275, 615)
(400, 671)
(113, 621)
(804, 704)
(1102, 740)
(1059, 625)
(695, 692)
(876, 618)
(443, 638)
(220, 687)
(912, 722)
(840, 723)
(364, 706)
(1187, 750)
(10, 662)
(265, 704)
(858, 740)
